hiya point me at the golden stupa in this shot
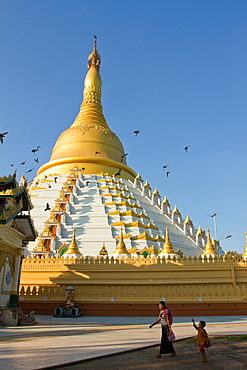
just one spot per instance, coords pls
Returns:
(89, 143)
(89, 192)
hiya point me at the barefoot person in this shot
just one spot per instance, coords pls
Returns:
(164, 318)
(202, 338)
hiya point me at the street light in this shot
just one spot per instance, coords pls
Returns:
(226, 237)
(215, 226)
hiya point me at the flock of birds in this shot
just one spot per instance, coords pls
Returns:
(186, 148)
(35, 150)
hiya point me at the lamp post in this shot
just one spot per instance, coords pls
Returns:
(225, 237)
(215, 226)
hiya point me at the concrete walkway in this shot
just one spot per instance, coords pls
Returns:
(57, 341)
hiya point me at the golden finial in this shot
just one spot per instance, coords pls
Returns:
(176, 211)
(138, 176)
(167, 248)
(200, 231)
(156, 192)
(209, 249)
(188, 221)
(165, 201)
(147, 184)
(94, 58)
(73, 247)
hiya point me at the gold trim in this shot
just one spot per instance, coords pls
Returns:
(101, 161)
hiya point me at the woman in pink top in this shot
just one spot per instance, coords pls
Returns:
(165, 346)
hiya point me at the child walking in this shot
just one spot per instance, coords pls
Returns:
(202, 338)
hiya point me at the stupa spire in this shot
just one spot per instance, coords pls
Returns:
(89, 142)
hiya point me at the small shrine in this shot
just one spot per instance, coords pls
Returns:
(69, 309)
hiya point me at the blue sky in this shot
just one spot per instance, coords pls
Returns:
(175, 70)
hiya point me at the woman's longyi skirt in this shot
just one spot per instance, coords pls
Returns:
(166, 346)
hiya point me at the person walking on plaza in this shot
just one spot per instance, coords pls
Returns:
(165, 318)
(202, 338)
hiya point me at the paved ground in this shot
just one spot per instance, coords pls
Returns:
(225, 354)
(59, 341)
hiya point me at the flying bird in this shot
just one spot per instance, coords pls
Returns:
(136, 132)
(228, 236)
(30, 170)
(165, 166)
(55, 179)
(123, 156)
(83, 168)
(35, 150)
(2, 136)
(97, 153)
(49, 186)
(87, 183)
(47, 208)
(167, 174)
(36, 160)
(95, 37)
(11, 165)
(118, 173)
(186, 148)
(22, 163)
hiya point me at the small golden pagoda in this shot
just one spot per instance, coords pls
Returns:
(103, 251)
(121, 247)
(40, 249)
(210, 248)
(73, 250)
(167, 248)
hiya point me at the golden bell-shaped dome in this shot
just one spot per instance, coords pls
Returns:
(89, 142)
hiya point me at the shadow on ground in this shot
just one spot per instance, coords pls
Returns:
(228, 352)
